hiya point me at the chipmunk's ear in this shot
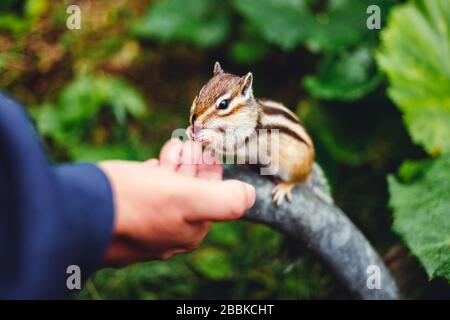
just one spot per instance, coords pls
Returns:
(246, 85)
(217, 68)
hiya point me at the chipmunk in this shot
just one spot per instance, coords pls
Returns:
(226, 104)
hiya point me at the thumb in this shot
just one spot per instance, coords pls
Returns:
(217, 200)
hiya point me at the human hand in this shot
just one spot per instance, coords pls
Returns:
(164, 207)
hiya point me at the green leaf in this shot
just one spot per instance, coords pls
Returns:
(422, 213)
(415, 54)
(248, 51)
(13, 24)
(346, 76)
(202, 22)
(83, 98)
(289, 23)
(95, 153)
(79, 100)
(46, 119)
(285, 23)
(72, 118)
(131, 148)
(122, 97)
(35, 8)
(224, 234)
(212, 263)
(343, 24)
(411, 170)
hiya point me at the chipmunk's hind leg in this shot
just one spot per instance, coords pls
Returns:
(282, 190)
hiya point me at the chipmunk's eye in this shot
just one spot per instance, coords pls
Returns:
(223, 104)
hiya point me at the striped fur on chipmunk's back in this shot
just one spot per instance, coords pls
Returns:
(226, 104)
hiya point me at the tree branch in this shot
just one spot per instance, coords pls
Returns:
(313, 220)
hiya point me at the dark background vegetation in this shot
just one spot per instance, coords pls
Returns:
(120, 85)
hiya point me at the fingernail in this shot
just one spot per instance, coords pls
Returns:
(152, 162)
(251, 195)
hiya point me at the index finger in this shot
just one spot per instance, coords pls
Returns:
(170, 154)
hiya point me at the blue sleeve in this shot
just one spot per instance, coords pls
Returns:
(50, 217)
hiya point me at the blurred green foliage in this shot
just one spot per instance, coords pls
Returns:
(88, 99)
(346, 76)
(119, 86)
(238, 260)
(204, 23)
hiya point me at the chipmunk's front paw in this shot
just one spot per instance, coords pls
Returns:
(282, 190)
